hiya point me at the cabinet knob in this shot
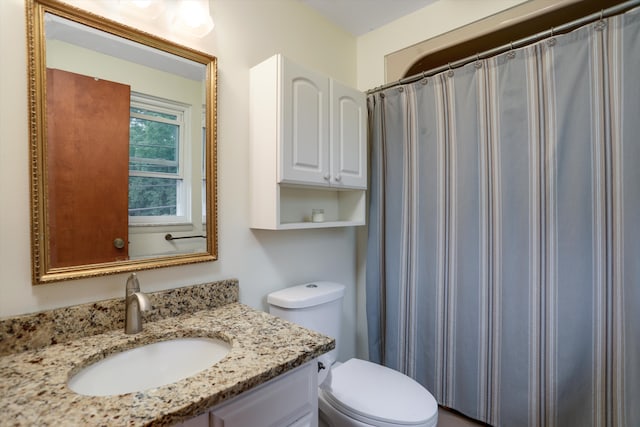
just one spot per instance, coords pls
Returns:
(118, 243)
(338, 178)
(326, 177)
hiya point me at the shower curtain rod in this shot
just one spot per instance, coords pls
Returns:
(605, 13)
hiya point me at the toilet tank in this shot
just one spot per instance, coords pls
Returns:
(316, 306)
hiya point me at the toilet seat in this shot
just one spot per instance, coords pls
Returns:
(379, 396)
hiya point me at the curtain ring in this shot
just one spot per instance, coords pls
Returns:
(450, 73)
(601, 24)
(512, 53)
(552, 40)
(424, 80)
(478, 63)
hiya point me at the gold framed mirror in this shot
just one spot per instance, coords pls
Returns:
(122, 147)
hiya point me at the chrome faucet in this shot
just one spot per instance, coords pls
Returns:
(135, 302)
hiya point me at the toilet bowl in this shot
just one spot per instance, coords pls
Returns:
(356, 393)
(361, 393)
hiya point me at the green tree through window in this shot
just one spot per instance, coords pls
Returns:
(155, 175)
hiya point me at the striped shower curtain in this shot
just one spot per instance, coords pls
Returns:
(503, 264)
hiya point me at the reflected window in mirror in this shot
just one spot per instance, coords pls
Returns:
(158, 182)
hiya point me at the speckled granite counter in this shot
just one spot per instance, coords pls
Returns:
(35, 330)
(33, 388)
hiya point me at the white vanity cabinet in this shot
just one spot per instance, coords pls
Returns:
(290, 400)
(308, 148)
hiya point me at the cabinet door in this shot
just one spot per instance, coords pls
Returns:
(304, 148)
(288, 400)
(348, 137)
(199, 421)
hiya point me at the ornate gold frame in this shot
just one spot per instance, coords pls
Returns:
(42, 272)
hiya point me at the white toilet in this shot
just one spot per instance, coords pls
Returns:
(356, 392)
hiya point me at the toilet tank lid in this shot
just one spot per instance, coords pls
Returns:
(306, 295)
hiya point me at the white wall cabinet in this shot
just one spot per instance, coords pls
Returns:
(290, 400)
(308, 148)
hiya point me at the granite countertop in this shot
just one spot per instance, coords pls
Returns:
(33, 388)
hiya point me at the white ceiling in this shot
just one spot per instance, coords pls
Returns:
(361, 16)
(63, 29)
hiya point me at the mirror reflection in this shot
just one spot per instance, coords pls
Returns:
(125, 148)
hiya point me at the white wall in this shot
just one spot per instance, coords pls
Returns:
(435, 19)
(246, 32)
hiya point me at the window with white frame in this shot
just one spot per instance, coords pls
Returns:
(159, 185)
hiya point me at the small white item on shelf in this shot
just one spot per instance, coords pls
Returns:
(317, 215)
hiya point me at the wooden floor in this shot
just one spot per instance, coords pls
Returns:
(448, 418)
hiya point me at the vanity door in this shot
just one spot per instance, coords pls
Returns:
(290, 400)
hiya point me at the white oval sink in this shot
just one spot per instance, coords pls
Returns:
(149, 366)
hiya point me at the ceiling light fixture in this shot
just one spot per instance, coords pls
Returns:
(193, 17)
(148, 9)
